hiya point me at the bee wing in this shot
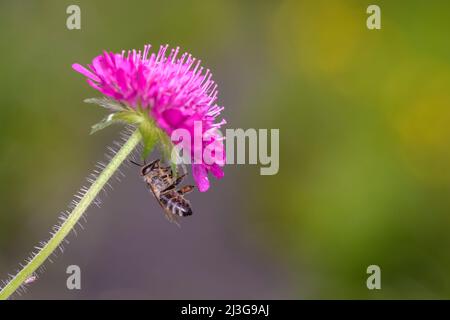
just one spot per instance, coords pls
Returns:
(171, 217)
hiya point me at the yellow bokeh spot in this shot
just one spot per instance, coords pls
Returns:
(318, 36)
(424, 129)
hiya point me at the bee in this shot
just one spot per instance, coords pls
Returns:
(162, 183)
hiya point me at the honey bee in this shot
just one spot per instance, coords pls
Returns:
(162, 183)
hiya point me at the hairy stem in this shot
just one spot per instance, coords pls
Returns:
(38, 259)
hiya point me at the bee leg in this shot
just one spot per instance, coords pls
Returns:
(185, 189)
(167, 171)
(171, 187)
(179, 179)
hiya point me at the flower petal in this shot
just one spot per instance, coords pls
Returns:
(217, 171)
(79, 68)
(201, 177)
(173, 117)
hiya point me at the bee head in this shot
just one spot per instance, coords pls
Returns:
(147, 168)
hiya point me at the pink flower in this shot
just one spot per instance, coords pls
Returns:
(175, 91)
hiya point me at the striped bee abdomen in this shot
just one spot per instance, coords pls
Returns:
(176, 203)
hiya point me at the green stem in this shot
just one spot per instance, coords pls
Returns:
(72, 219)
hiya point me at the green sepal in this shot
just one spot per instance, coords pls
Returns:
(149, 131)
(105, 122)
(107, 103)
(149, 134)
(121, 113)
(130, 117)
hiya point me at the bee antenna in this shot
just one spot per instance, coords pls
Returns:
(133, 162)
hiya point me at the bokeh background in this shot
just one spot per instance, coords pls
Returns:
(364, 151)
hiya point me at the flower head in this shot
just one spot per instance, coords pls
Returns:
(174, 91)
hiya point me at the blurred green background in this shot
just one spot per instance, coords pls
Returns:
(364, 150)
